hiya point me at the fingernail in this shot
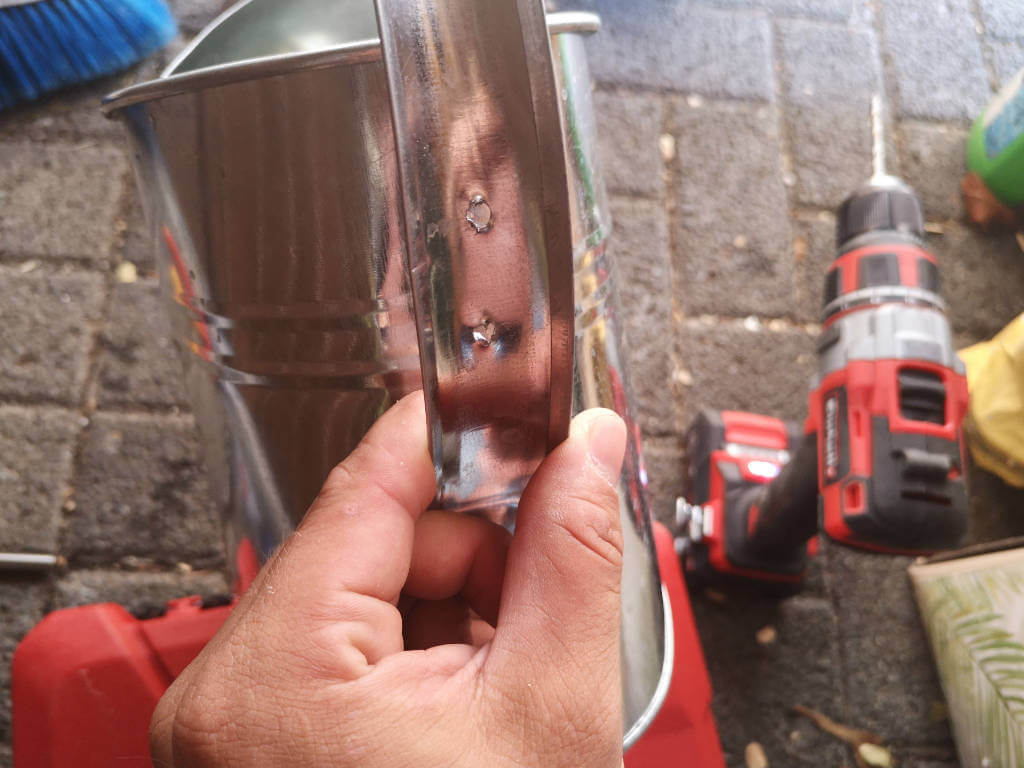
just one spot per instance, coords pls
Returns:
(606, 444)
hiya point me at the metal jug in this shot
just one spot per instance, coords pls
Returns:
(340, 221)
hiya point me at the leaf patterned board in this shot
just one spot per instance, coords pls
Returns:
(973, 611)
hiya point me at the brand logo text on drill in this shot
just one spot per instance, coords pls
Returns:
(831, 437)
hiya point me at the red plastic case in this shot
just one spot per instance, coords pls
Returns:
(85, 682)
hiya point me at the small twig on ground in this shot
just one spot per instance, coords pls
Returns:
(868, 750)
(852, 736)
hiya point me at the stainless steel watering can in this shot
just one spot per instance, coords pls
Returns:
(344, 215)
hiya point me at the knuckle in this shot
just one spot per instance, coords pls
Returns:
(348, 636)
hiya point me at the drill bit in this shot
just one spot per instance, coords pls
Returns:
(879, 176)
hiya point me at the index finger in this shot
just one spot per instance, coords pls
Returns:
(358, 534)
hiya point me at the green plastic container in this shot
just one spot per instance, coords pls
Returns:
(995, 147)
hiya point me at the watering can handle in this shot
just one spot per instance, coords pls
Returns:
(486, 209)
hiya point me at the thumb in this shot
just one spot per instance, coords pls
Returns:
(558, 626)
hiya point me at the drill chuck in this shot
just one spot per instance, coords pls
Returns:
(880, 253)
(885, 205)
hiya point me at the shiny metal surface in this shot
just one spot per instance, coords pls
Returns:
(486, 211)
(299, 35)
(273, 197)
(27, 561)
(650, 712)
(599, 379)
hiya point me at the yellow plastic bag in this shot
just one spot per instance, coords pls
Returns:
(995, 417)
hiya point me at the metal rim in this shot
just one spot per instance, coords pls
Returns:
(661, 690)
(196, 41)
(349, 54)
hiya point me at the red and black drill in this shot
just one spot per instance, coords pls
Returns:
(879, 461)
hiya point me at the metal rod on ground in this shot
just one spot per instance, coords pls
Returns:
(26, 561)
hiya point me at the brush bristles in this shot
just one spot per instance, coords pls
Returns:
(51, 44)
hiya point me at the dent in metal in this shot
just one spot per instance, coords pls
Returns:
(479, 214)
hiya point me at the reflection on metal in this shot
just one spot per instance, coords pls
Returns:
(668, 661)
(273, 194)
(474, 107)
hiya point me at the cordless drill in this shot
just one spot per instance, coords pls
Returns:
(879, 461)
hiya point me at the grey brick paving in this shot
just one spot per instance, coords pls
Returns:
(934, 161)
(927, 762)
(756, 685)
(833, 10)
(135, 243)
(665, 459)
(1003, 19)
(59, 199)
(35, 465)
(135, 591)
(22, 604)
(732, 223)
(46, 319)
(816, 576)
(734, 368)
(682, 47)
(1007, 58)
(937, 64)
(982, 278)
(640, 241)
(995, 508)
(814, 238)
(888, 674)
(141, 493)
(138, 363)
(74, 114)
(829, 73)
(193, 15)
(628, 133)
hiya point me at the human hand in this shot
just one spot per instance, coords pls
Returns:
(521, 633)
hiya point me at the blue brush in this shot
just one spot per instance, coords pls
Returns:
(50, 44)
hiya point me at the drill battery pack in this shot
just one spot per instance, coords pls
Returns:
(733, 457)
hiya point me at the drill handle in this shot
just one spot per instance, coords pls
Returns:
(784, 514)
